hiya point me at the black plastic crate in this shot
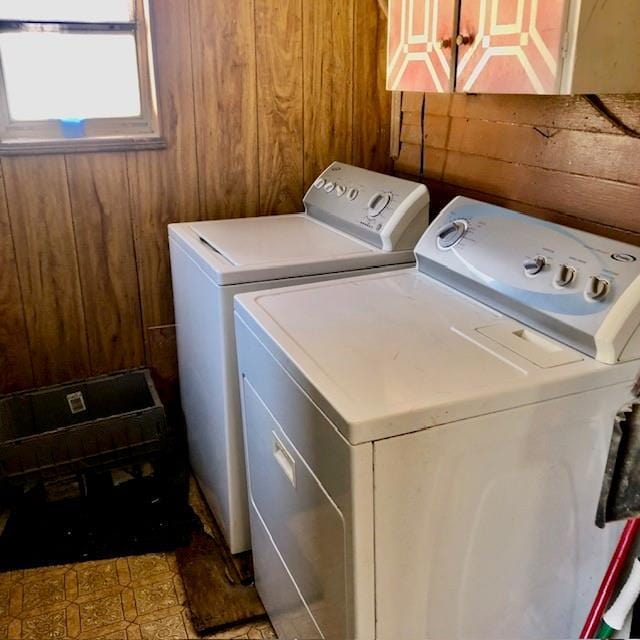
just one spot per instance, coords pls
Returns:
(78, 426)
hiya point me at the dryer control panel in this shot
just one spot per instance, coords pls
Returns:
(385, 211)
(577, 287)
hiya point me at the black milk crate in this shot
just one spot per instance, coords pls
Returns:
(79, 426)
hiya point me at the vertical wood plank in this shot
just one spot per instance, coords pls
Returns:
(280, 120)
(396, 117)
(15, 359)
(371, 100)
(328, 37)
(224, 59)
(47, 262)
(163, 362)
(164, 184)
(99, 193)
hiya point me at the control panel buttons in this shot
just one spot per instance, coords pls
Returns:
(596, 289)
(534, 266)
(319, 183)
(340, 190)
(451, 234)
(378, 204)
(353, 194)
(329, 187)
(564, 276)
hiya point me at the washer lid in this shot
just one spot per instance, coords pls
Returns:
(273, 247)
(391, 353)
(273, 239)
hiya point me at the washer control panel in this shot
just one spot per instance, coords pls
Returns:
(385, 211)
(578, 287)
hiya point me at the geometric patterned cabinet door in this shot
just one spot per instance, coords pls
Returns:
(511, 46)
(420, 45)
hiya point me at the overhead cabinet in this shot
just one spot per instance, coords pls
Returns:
(514, 46)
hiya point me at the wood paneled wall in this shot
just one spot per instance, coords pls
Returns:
(256, 97)
(551, 156)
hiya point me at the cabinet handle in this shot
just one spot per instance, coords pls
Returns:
(460, 40)
(444, 43)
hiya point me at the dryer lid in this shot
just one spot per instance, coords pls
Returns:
(391, 353)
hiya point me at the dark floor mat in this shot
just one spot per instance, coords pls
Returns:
(144, 515)
(217, 598)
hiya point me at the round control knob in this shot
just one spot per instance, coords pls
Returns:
(451, 234)
(329, 187)
(353, 194)
(596, 289)
(564, 276)
(340, 190)
(534, 266)
(319, 183)
(378, 204)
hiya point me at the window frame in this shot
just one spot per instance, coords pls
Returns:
(100, 134)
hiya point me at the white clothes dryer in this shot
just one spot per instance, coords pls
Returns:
(425, 447)
(355, 221)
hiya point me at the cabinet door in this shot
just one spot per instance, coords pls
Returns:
(510, 46)
(421, 35)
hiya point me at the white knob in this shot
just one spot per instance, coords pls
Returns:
(451, 234)
(534, 266)
(564, 276)
(378, 204)
(596, 289)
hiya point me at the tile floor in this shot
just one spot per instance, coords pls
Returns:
(133, 598)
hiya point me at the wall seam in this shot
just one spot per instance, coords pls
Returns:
(257, 118)
(134, 244)
(354, 34)
(202, 209)
(20, 286)
(304, 90)
(80, 277)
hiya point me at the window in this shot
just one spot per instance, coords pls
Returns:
(76, 75)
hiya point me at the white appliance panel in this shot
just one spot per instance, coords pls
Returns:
(575, 286)
(288, 613)
(490, 433)
(213, 261)
(209, 387)
(208, 384)
(384, 211)
(276, 239)
(333, 481)
(305, 525)
(380, 355)
(212, 256)
(497, 537)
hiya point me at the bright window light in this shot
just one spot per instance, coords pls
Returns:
(66, 10)
(68, 75)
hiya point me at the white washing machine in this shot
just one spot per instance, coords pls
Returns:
(355, 221)
(425, 447)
